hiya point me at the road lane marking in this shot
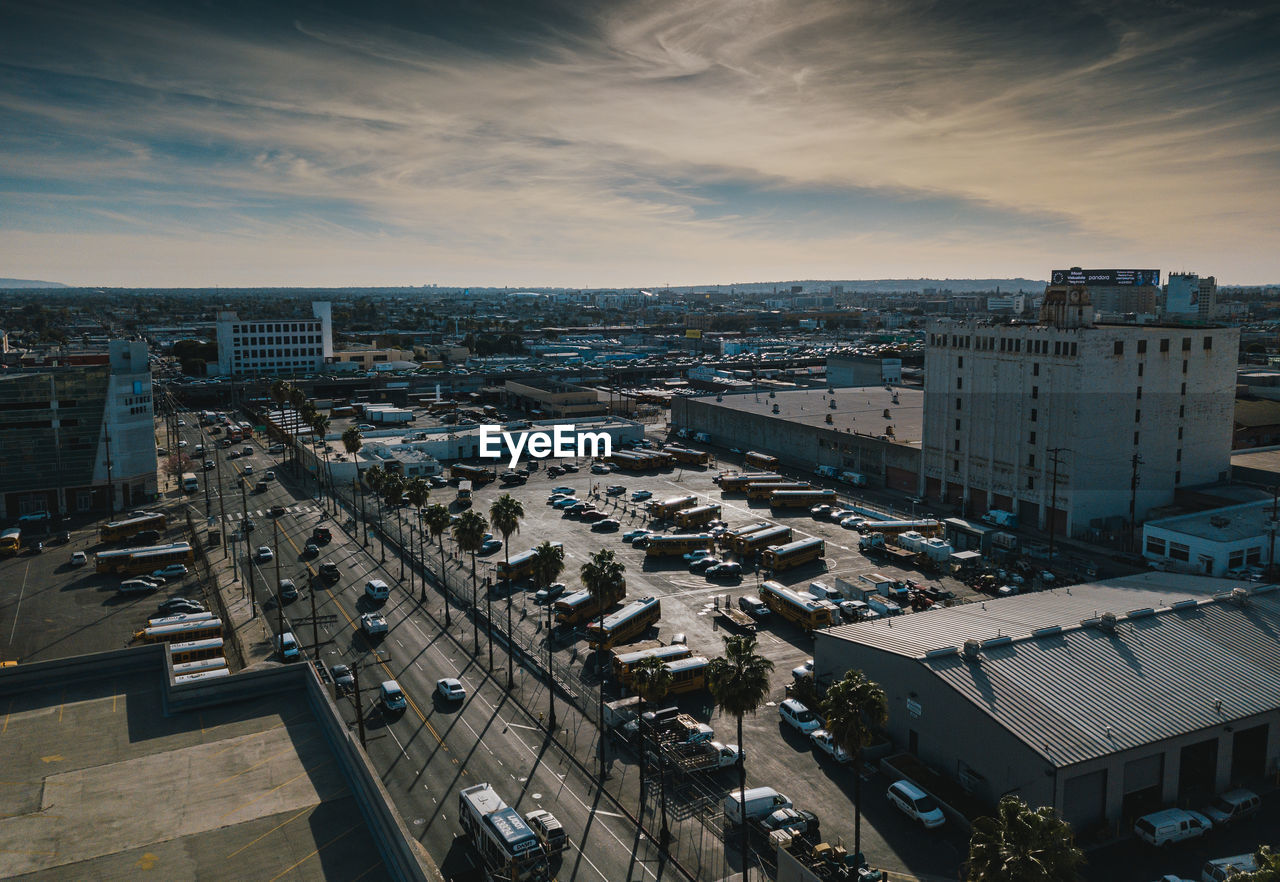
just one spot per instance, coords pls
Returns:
(17, 609)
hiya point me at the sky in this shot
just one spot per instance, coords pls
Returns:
(194, 143)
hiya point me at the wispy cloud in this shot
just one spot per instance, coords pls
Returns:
(701, 140)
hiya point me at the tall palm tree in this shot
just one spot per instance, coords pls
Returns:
(652, 681)
(297, 398)
(320, 425)
(352, 441)
(417, 491)
(739, 683)
(505, 513)
(854, 708)
(374, 476)
(393, 492)
(1268, 866)
(1021, 844)
(279, 392)
(438, 522)
(469, 534)
(548, 564)
(601, 576)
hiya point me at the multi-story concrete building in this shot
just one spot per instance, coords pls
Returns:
(1068, 416)
(552, 398)
(1190, 298)
(78, 438)
(271, 347)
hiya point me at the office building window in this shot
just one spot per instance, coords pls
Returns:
(959, 383)
(1179, 458)
(1031, 483)
(1139, 393)
(957, 425)
(955, 465)
(1142, 346)
(1031, 460)
(1208, 343)
(1119, 347)
(957, 404)
(1253, 555)
(1035, 369)
(959, 361)
(1137, 416)
(1178, 551)
(1135, 439)
(956, 445)
(1032, 439)
(1177, 477)
(1164, 344)
(1035, 391)
(1184, 365)
(1186, 344)
(1155, 546)
(1184, 388)
(1073, 348)
(1182, 411)
(1179, 433)
(1033, 414)
(1140, 367)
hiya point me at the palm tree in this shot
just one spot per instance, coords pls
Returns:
(393, 492)
(469, 534)
(417, 491)
(739, 683)
(320, 425)
(1021, 844)
(601, 576)
(438, 522)
(374, 476)
(504, 515)
(548, 564)
(352, 441)
(853, 709)
(279, 392)
(297, 398)
(1268, 867)
(652, 681)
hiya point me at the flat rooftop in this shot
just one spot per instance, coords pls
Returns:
(1231, 524)
(98, 782)
(859, 409)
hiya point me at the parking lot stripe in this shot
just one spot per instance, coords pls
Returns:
(306, 771)
(314, 853)
(269, 832)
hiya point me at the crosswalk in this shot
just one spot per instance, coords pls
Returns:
(300, 509)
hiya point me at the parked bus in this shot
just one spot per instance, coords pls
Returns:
(765, 489)
(10, 541)
(735, 483)
(685, 456)
(662, 546)
(728, 537)
(687, 674)
(118, 531)
(190, 483)
(143, 560)
(477, 475)
(201, 675)
(762, 461)
(181, 632)
(668, 507)
(580, 607)
(196, 650)
(179, 618)
(698, 516)
(630, 621)
(799, 609)
(793, 554)
(762, 539)
(521, 566)
(195, 667)
(624, 459)
(801, 498)
(624, 665)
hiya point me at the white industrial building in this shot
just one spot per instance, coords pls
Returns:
(275, 347)
(1063, 414)
(1213, 542)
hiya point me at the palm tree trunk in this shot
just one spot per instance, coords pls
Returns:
(475, 624)
(400, 542)
(444, 584)
(742, 791)
(511, 677)
(857, 802)
(600, 692)
(382, 534)
(488, 621)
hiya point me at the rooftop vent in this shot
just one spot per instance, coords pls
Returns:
(1240, 596)
(886, 414)
(1220, 521)
(1107, 622)
(972, 650)
(775, 409)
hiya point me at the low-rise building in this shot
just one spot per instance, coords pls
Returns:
(1213, 542)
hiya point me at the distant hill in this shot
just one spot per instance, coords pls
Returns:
(30, 283)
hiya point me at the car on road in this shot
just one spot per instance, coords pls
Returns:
(182, 445)
(826, 742)
(701, 564)
(172, 571)
(248, 469)
(798, 717)
(437, 482)
(632, 535)
(696, 553)
(321, 536)
(343, 678)
(551, 592)
(79, 558)
(451, 689)
(548, 829)
(641, 495)
(136, 586)
(916, 804)
(162, 451)
(180, 606)
(376, 589)
(615, 490)
(391, 696)
(264, 554)
(310, 550)
(277, 511)
(567, 491)
(276, 448)
(608, 525)
(209, 465)
(729, 569)
(329, 571)
(490, 546)
(182, 423)
(288, 590)
(269, 476)
(372, 624)
(246, 451)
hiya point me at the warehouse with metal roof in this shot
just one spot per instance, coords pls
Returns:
(1104, 701)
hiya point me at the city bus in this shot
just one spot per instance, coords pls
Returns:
(735, 483)
(118, 531)
(801, 498)
(195, 667)
(624, 665)
(624, 459)
(10, 541)
(509, 850)
(630, 621)
(793, 554)
(685, 456)
(755, 460)
(196, 650)
(698, 516)
(662, 546)
(182, 632)
(190, 483)
(580, 607)
(687, 674)
(200, 676)
(668, 507)
(233, 433)
(799, 609)
(765, 489)
(477, 475)
(762, 539)
(126, 560)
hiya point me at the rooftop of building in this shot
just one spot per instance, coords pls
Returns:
(1232, 523)
(1252, 413)
(859, 410)
(1181, 654)
(1263, 460)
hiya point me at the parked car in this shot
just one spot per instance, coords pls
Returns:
(916, 804)
(641, 495)
(146, 537)
(451, 689)
(836, 515)
(136, 586)
(608, 525)
(1232, 806)
(821, 511)
(592, 515)
(795, 821)
(632, 535)
(600, 468)
(172, 571)
(826, 742)
(569, 467)
(853, 523)
(804, 670)
(753, 606)
(567, 491)
(727, 570)
(799, 717)
(615, 490)
(490, 545)
(269, 476)
(79, 558)
(704, 563)
(696, 553)
(566, 502)
(551, 592)
(180, 605)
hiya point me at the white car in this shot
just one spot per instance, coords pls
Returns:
(264, 554)
(172, 571)
(805, 670)
(136, 586)
(836, 515)
(79, 558)
(695, 554)
(916, 804)
(799, 717)
(451, 689)
(826, 742)
(372, 623)
(640, 495)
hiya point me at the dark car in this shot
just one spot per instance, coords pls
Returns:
(146, 537)
(730, 570)
(260, 487)
(343, 679)
(321, 535)
(593, 515)
(329, 571)
(608, 525)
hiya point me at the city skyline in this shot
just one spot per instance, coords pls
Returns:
(639, 144)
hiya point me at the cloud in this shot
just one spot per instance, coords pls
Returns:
(643, 142)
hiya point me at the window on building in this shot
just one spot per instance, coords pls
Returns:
(1137, 416)
(1184, 388)
(1073, 348)
(959, 361)
(958, 425)
(1032, 438)
(956, 445)
(1155, 546)
(1179, 458)
(955, 465)
(1164, 344)
(1235, 559)
(1253, 555)
(1135, 438)
(1177, 477)
(1184, 365)
(84, 500)
(1140, 367)
(1186, 344)
(1139, 393)
(1178, 551)
(958, 400)
(1033, 414)
(1035, 369)
(1179, 433)
(1035, 391)
(1119, 347)
(959, 381)
(1031, 483)
(1057, 347)
(1182, 411)
(1208, 343)
(1142, 347)
(1031, 460)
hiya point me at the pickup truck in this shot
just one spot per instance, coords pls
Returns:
(705, 757)
(373, 623)
(737, 619)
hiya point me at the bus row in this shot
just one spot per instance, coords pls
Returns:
(136, 561)
(774, 544)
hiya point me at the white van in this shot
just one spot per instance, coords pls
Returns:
(1224, 868)
(916, 804)
(376, 589)
(1171, 825)
(759, 802)
(1232, 806)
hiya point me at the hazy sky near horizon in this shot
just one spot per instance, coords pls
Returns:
(635, 143)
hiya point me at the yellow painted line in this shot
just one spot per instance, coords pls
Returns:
(113, 702)
(367, 872)
(288, 749)
(240, 739)
(274, 789)
(314, 853)
(269, 832)
(6, 717)
(61, 704)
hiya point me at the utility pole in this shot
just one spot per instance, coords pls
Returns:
(551, 675)
(1054, 457)
(248, 556)
(355, 675)
(1133, 501)
(315, 624)
(222, 499)
(275, 541)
